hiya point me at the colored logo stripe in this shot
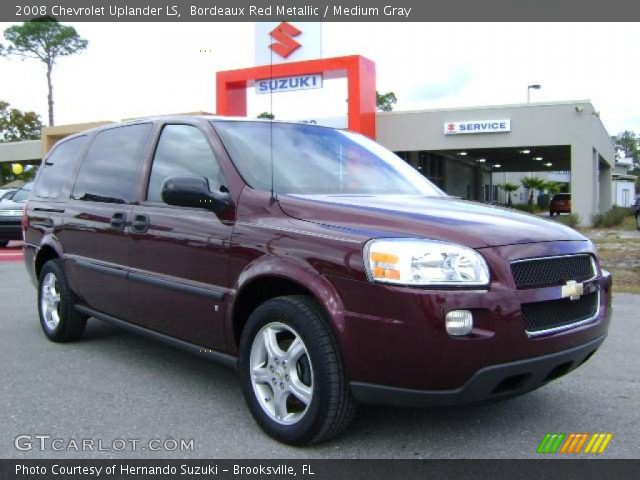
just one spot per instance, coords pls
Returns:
(573, 443)
(550, 442)
(598, 443)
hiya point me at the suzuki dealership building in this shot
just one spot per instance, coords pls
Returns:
(469, 151)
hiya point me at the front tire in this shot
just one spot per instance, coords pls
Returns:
(56, 305)
(4, 243)
(292, 374)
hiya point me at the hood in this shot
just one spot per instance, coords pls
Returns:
(11, 205)
(468, 223)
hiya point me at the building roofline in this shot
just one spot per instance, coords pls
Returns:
(22, 142)
(623, 176)
(490, 107)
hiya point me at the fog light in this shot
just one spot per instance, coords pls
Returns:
(459, 322)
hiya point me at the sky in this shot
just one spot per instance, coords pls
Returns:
(138, 69)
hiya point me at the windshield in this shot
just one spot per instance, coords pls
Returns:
(22, 194)
(317, 160)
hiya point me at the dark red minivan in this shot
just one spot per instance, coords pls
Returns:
(320, 265)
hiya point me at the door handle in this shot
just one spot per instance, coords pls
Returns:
(140, 223)
(119, 220)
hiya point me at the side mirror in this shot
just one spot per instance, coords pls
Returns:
(193, 192)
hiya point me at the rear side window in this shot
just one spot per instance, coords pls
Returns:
(108, 173)
(58, 167)
(183, 151)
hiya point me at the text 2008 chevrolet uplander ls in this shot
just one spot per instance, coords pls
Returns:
(352, 279)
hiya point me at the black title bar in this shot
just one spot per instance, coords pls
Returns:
(317, 469)
(310, 10)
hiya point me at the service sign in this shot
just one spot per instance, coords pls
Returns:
(289, 84)
(477, 126)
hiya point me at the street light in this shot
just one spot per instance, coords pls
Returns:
(534, 87)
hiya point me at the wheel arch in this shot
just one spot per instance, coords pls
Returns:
(256, 287)
(49, 249)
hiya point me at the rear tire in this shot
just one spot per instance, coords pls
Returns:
(4, 243)
(292, 374)
(56, 305)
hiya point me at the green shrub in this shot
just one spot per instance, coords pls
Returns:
(612, 218)
(525, 207)
(572, 220)
(625, 211)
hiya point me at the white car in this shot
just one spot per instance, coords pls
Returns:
(11, 215)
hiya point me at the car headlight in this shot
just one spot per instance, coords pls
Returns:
(415, 262)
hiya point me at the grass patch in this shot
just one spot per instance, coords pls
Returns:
(629, 223)
(619, 252)
(572, 220)
(626, 280)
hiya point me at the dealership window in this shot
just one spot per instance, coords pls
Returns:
(431, 166)
(110, 167)
(404, 156)
(183, 150)
(625, 198)
(490, 193)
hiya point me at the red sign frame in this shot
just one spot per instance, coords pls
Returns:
(231, 87)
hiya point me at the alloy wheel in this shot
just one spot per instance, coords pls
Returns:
(281, 373)
(50, 301)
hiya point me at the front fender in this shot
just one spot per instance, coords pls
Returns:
(295, 271)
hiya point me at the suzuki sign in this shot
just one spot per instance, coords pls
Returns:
(289, 84)
(231, 86)
(282, 42)
(477, 126)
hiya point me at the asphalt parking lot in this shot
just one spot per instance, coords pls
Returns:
(114, 385)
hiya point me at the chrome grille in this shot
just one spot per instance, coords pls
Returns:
(10, 213)
(552, 271)
(556, 315)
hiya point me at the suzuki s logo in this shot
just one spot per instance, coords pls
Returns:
(283, 34)
(451, 127)
(572, 290)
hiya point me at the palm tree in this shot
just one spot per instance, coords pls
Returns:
(532, 184)
(509, 188)
(552, 187)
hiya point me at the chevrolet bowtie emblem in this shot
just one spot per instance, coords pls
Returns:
(572, 290)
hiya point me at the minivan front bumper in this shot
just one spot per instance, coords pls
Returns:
(489, 383)
(395, 336)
